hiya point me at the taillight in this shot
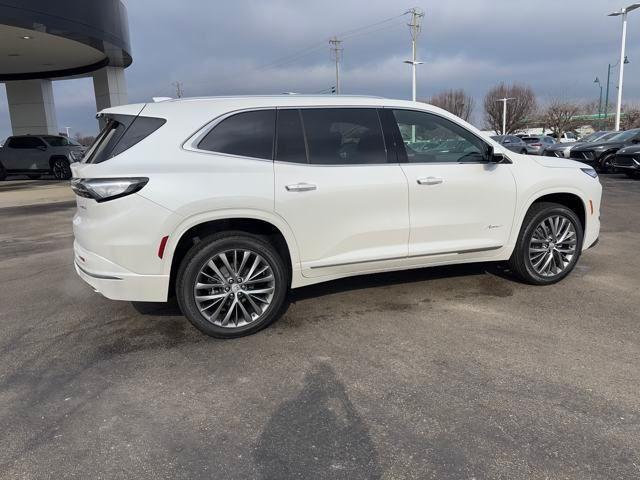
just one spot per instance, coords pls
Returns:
(103, 189)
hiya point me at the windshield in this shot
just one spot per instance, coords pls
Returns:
(497, 138)
(623, 136)
(60, 141)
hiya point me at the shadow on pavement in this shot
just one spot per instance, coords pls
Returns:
(316, 435)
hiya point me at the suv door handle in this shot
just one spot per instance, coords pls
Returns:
(300, 187)
(429, 181)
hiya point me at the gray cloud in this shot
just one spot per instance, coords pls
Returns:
(219, 47)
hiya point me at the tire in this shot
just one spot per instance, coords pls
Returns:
(523, 151)
(3, 172)
(60, 169)
(523, 261)
(605, 164)
(228, 312)
(33, 177)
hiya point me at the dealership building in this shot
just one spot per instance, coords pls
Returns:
(45, 40)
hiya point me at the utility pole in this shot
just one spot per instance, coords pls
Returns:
(336, 53)
(504, 113)
(179, 91)
(417, 15)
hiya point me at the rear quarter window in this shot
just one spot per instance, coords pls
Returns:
(121, 133)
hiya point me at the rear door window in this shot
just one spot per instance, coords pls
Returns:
(290, 143)
(247, 134)
(344, 136)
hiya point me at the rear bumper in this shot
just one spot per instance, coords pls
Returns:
(117, 283)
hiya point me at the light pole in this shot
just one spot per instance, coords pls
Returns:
(504, 113)
(606, 97)
(597, 82)
(622, 12)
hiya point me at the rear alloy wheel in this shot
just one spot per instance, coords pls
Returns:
(231, 284)
(61, 169)
(549, 244)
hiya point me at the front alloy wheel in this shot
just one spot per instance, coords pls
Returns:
(231, 284)
(552, 246)
(549, 244)
(60, 169)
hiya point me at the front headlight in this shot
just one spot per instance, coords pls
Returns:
(76, 155)
(590, 171)
(103, 189)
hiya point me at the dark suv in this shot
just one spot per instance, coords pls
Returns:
(601, 154)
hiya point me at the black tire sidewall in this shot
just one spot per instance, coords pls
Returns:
(202, 252)
(602, 163)
(522, 249)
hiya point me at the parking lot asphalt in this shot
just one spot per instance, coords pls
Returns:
(455, 372)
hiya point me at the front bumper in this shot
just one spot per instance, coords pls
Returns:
(626, 162)
(117, 283)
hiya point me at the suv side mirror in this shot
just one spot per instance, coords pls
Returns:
(494, 157)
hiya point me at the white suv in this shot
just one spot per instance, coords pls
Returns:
(230, 202)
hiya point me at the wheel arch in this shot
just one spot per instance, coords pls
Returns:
(192, 231)
(569, 198)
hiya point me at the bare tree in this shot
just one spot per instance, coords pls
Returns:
(519, 110)
(630, 117)
(560, 116)
(454, 101)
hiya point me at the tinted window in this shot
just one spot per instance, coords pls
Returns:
(26, 142)
(121, 133)
(140, 129)
(344, 136)
(60, 141)
(248, 134)
(290, 142)
(430, 138)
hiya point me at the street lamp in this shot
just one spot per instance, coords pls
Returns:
(597, 82)
(606, 97)
(622, 12)
(504, 113)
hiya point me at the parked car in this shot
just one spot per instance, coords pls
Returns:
(512, 142)
(627, 160)
(35, 155)
(269, 194)
(600, 154)
(566, 137)
(536, 145)
(563, 150)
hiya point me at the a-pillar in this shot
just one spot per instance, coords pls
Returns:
(31, 107)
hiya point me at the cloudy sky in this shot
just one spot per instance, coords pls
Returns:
(217, 47)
